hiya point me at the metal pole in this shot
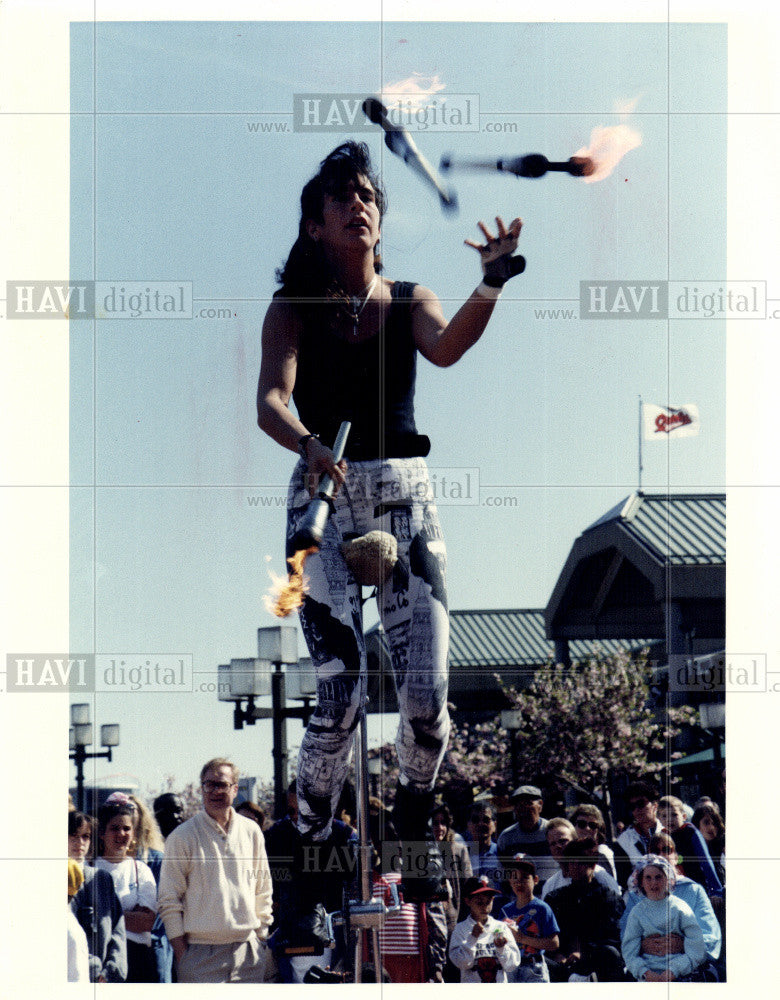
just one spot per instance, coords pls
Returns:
(279, 722)
(639, 436)
(361, 781)
(364, 849)
(79, 759)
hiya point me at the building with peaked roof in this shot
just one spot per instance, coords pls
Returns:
(653, 566)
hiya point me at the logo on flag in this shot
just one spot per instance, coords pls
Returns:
(667, 421)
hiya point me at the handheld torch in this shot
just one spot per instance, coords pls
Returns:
(531, 165)
(312, 527)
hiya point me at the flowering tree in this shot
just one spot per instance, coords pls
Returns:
(579, 724)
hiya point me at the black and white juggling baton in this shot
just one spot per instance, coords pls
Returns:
(399, 141)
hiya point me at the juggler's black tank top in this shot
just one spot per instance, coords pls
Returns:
(369, 382)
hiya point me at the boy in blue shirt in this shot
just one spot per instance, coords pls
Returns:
(530, 919)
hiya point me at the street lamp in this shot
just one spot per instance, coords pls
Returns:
(247, 679)
(512, 722)
(80, 737)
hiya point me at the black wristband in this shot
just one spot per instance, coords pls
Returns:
(303, 442)
(497, 272)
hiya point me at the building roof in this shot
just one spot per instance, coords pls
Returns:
(625, 570)
(682, 528)
(510, 643)
(509, 638)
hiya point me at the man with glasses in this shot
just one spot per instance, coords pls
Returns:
(215, 889)
(634, 842)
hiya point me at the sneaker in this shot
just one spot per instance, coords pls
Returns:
(576, 978)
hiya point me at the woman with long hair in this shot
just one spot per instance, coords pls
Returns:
(457, 861)
(709, 822)
(695, 857)
(134, 884)
(341, 340)
(97, 907)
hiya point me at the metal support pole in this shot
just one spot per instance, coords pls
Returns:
(279, 721)
(364, 858)
(639, 443)
(361, 782)
(79, 759)
(78, 756)
(515, 767)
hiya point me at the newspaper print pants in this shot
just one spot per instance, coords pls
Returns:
(392, 495)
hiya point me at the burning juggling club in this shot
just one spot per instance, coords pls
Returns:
(312, 527)
(530, 165)
(399, 141)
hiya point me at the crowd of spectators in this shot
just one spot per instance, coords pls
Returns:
(227, 896)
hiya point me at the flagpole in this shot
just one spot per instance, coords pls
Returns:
(639, 438)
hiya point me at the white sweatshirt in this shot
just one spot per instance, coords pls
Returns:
(215, 885)
(479, 959)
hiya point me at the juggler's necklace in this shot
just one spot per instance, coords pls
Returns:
(358, 306)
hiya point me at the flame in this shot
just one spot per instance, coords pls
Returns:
(287, 594)
(627, 107)
(415, 90)
(608, 145)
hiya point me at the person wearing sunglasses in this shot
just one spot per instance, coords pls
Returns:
(560, 833)
(633, 843)
(588, 821)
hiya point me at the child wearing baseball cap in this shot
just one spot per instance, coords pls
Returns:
(530, 920)
(482, 947)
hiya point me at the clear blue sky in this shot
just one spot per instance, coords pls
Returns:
(168, 555)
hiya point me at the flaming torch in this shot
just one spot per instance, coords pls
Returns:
(608, 145)
(530, 165)
(307, 539)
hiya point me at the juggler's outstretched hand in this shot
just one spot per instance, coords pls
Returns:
(498, 264)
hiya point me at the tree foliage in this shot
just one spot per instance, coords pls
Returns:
(579, 724)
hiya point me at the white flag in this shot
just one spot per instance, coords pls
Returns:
(662, 422)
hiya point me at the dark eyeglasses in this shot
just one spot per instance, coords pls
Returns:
(638, 804)
(586, 824)
(217, 786)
